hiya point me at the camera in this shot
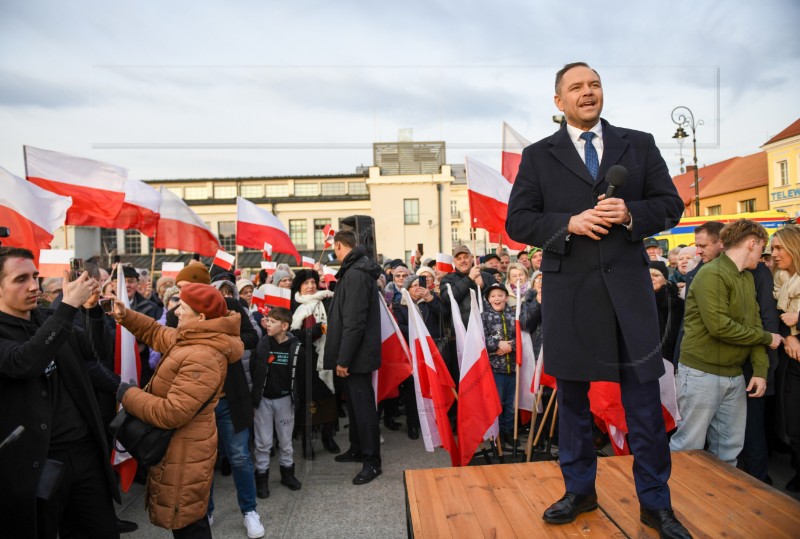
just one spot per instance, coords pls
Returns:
(419, 249)
(423, 281)
(107, 304)
(76, 267)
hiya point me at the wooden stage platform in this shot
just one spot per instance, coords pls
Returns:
(711, 498)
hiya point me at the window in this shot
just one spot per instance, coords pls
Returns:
(411, 211)
(747, 205)
(306, 189)
(454, 234)
(332, 189)
(108, 239)
(298, 233)
(226, 230)
(714, 210)
(278, 190)
(358, 188)
(133, 242)
(319, 234)
(252, 191)
(150, 242)
(176, 191)
(473, 234)
(224, 191)
(196, 193)
(783, 173)
(454, 208)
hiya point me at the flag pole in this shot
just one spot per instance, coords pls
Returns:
(235, 258)
(534, 413)
(324, 247)
(153, 262)
(544, 416)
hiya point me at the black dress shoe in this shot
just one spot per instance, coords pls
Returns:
(569, 507)
(348, 456)
(665, 522)
(126, 526)
(367, 474)
(413, 433)
(794, 484)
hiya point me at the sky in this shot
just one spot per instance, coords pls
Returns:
(204, 89)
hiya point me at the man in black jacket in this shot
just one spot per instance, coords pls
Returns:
(353, 348)
(57, 475)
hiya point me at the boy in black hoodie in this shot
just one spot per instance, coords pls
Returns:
(274, 365)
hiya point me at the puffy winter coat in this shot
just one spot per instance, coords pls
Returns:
(192, 370)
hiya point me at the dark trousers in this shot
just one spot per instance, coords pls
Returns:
(647, 438)
(755, 456)
(364, 432)
(197, 530)
(409, 396)
(82, 506)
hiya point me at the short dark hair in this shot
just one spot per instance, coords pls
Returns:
(12, 252)
(711, 228)
(737, 231)
(347, 237)
(560, 73)
(281, 314)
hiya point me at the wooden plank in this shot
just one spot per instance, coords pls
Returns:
(425, 504)
(461, 517)
(616, 494)
(491, 517)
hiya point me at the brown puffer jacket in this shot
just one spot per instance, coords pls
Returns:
(193, 367)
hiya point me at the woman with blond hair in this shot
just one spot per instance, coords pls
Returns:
(517, 283)
(786, 274)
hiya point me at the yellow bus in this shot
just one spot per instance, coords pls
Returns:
(683, 234)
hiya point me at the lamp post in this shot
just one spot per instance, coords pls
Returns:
(683, 117)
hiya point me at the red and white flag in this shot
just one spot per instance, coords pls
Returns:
(395, 358)
(488, 193)
(444, 262)
(478, 401)
(328, 232)
(254, 226)
(223, 260)
(139, 210)
(270, 267)
(171, 269)
(328, 274)
(277, 296)
(308, 262)
(435, 390)
(31, 213)
(526, 364)
(127, 366)
(179, 227)
(53, 262)
(259, 299)
(267, 251)
(513, 144)
(97, 189)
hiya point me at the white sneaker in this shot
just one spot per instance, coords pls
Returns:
(382, 440)
(253, 524)
(210, 519)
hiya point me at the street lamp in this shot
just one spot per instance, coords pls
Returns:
(683, 117)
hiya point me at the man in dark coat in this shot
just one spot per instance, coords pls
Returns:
(45, 388)
(598, 309)
(353, 348)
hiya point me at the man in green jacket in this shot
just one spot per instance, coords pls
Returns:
(722, 329)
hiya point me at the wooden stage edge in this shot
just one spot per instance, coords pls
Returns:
(711, 498)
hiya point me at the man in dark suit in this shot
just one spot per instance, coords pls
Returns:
(598, 310)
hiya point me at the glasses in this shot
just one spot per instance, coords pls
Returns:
(53, 292)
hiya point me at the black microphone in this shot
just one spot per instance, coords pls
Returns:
(15, 434)
(615, 177)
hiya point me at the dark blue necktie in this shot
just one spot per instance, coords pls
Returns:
(592, 162)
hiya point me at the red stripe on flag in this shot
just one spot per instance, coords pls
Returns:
(174, 234)
(511, 163)
(25, 233)
(90, 207)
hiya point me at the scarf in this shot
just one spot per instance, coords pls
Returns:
(311, 305)
(787, 291)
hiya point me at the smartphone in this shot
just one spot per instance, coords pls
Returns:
(419, 249)
(423, 281)
(107, 304)
(331, 257)
(75, 268)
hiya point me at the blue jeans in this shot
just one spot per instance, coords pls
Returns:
(237, 447)
(506, 389)
(714, 409)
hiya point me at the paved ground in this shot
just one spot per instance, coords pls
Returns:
(329, 505)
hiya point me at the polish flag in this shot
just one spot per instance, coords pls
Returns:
(179, 227)
(488, 192)
(328, 232)
(526, 364)
(31, 213)
(478, 402)
(328, 274)
(254, 226)
(513, 144)
(171, 269)
(444, 262)
(126, 365)
(140, 209)
(308, 262)
(435, 390)
(97, 189)
(395, 357)
(53, 262)
(259, 300)
(277, 296)
(223, 260)
(267, 251)
(271, 267)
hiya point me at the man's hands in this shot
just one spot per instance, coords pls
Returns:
(475, 275)
(79, 291)
(757, 385)
(792, 347)
(596, 221)
(790, 319)
(342, 371)
(777, 340)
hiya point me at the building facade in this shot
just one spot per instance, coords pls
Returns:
(783, 167)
